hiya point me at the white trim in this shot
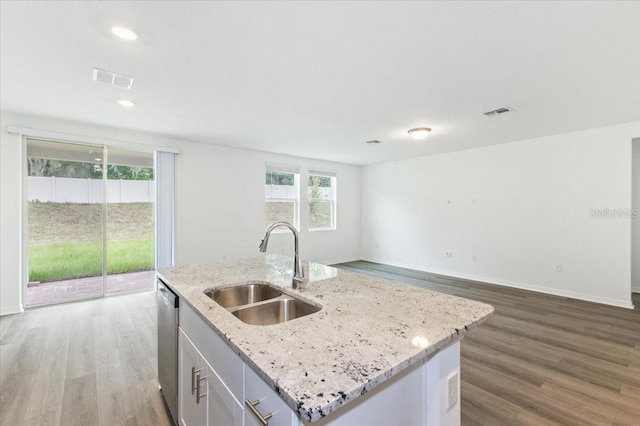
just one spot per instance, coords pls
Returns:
(10, 310)
(343, 260)
(23, 212)
(522, 286)
(70, 137)
(635, 289)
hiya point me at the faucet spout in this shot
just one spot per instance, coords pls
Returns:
(298, 274)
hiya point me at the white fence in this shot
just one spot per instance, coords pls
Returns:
(69, 190)
(290, 191)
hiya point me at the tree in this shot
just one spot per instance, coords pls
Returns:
(280, 178)
(85, 170)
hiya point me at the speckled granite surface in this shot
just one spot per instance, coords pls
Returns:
(367, 331)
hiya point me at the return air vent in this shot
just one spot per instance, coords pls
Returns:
(108, 77)
(497, 111)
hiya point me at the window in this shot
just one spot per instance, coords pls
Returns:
(322, 201)
(282, 196)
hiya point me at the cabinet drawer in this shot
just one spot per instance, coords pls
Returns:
(270, 402)
(226, 364)
(223, 408)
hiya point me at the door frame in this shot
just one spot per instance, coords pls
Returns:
(24, 212)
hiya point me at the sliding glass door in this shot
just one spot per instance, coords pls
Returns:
(130, 230)
(65, 193)
(90, 221)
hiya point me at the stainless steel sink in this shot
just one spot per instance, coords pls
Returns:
(243, 294)
(275, 312)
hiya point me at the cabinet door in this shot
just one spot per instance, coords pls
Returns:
(191, 412)
(222, 407)
(255, 389)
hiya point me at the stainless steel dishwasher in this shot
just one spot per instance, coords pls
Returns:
(168, 347)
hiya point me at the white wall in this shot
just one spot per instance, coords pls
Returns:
(521, 208)
(223, 217)
(635, 250)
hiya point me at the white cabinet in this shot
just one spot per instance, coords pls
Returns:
(222, 407)
(227, 383)
(192, 411)
(269, 405)
(203, 399)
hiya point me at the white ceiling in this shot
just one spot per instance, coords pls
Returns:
(319, 79)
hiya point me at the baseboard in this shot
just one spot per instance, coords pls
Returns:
(343, 260)
(635, 289)
(506, 283)
(9, 310)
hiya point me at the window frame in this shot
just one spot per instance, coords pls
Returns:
(296, 200)
(333, 201)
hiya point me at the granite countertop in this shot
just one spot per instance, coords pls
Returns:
(368, 330)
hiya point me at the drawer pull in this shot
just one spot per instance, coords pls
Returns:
(198, 395)
(264, 420)
(193, 379)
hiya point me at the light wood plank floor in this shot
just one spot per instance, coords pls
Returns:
(540, 360)
(85, 363)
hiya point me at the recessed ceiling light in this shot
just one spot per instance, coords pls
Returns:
(419, 133)
(98, 159)
(126, 103)
(124, 33)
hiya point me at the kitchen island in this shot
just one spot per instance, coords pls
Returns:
(376, 351)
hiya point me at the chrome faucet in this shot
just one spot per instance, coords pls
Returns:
(298, 274)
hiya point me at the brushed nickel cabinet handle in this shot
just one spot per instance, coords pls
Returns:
(264, 420)
(193, 379)
(198, 395)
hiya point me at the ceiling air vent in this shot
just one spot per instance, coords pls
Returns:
(108, 77)
(497, 111)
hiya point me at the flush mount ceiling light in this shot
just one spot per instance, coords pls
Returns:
(419, 133)
(126, 103)
(124, 33)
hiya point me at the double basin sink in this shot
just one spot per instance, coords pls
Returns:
(258, 303)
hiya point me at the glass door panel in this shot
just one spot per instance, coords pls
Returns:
(65, 194)
(130, 224)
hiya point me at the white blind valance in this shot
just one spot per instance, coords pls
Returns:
(287, 168)
(323, 173)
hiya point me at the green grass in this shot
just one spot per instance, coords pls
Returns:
(63, 261)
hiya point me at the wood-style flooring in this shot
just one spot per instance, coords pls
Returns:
(85, 363)
(541, 359)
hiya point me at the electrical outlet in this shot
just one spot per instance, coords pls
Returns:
(474, 257)
(559, 268)
(474, 202)
(448, 253)
(452, 390)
